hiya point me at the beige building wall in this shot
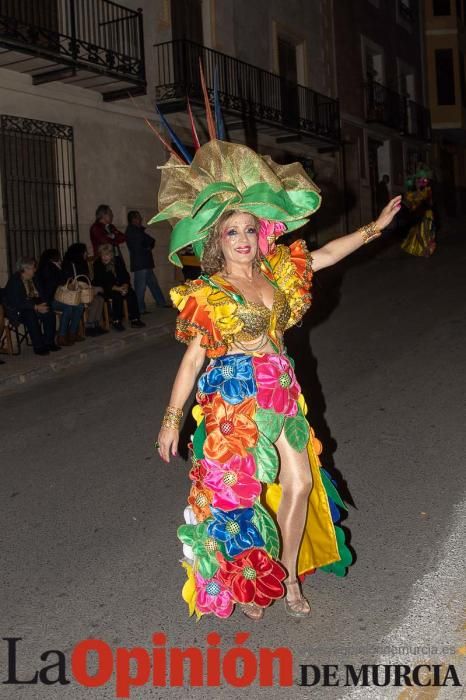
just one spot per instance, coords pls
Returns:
(116, 155)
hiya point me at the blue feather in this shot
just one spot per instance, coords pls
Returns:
(219, 124)
(174, 137)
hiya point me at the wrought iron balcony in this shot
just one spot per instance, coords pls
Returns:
(286, 110)
(389, 108)
(97, 45)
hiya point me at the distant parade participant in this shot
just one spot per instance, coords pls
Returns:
(255, 467)
(420, 240)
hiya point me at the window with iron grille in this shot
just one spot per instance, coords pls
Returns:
(38, 186)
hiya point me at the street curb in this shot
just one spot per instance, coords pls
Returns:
(80, 357)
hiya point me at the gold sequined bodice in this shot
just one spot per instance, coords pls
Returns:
(257, 318)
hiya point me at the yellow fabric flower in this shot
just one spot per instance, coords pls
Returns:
(197, 414)
(223, 309)
(189, 591)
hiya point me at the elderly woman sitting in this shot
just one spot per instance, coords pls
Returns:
(25, 302)
(111, 274)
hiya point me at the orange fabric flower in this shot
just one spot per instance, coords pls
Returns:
(316, 443)
(230, 429)
(200, 499)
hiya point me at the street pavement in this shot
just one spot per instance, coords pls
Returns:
(89, 513)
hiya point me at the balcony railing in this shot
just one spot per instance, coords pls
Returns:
(98, 37)
(244, 90)
(387, 107)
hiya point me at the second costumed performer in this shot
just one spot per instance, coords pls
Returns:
(261, 512)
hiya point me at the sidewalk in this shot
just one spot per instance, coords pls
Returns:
(27, 367)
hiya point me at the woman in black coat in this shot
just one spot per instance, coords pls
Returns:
(51, 276)
(111, 274)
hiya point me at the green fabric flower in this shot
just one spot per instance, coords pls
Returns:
(203, 545)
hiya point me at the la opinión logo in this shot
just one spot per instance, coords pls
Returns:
(238, 667)
(161, 667)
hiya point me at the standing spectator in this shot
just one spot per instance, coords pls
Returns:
(75, 262)
(103, 231)
(140, 246)
(111, 274)
(25, 303)
(51, 276)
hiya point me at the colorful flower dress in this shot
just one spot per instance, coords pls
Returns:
(231, 545)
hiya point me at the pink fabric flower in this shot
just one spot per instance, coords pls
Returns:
(232, 482)
(213, 596)
(277, 387)
(267, 234)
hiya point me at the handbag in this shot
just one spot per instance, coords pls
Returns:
(87, 290)
(69, 293)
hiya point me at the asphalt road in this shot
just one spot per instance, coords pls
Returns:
(89, 514)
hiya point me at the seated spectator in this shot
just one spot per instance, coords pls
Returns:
(103, 231)
(111, 274)
(75, 262)
(51, 276)
(140, 246)
(25, 303)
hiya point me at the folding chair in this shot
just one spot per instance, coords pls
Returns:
(14, 328)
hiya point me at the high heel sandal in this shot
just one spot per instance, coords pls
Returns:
(304, 609)
(256, 610)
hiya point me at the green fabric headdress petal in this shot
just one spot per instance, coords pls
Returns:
(227, 176)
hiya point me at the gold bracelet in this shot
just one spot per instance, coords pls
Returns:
(172, 417)
(369, 231)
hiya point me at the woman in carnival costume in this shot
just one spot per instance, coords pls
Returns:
(262, 512)
(420, 240)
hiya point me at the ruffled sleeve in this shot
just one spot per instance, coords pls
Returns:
(292, 270)
(195, 317)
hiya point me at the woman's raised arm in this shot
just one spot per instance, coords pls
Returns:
(190, 366)
(339, 248)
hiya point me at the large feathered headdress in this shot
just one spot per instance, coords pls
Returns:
(222, 176)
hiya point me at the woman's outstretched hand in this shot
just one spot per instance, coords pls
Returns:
(388, 212)
(168, 441)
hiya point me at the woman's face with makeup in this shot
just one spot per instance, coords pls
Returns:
(239, 238)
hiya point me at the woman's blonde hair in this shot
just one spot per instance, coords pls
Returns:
(213, 259)
(105, 249)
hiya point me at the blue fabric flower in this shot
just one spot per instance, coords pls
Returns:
(232, 376)
(235, 529)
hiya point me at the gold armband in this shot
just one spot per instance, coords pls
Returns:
(172, 417)
(369, 231)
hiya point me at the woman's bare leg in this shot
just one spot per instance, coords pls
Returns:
(296, 481)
